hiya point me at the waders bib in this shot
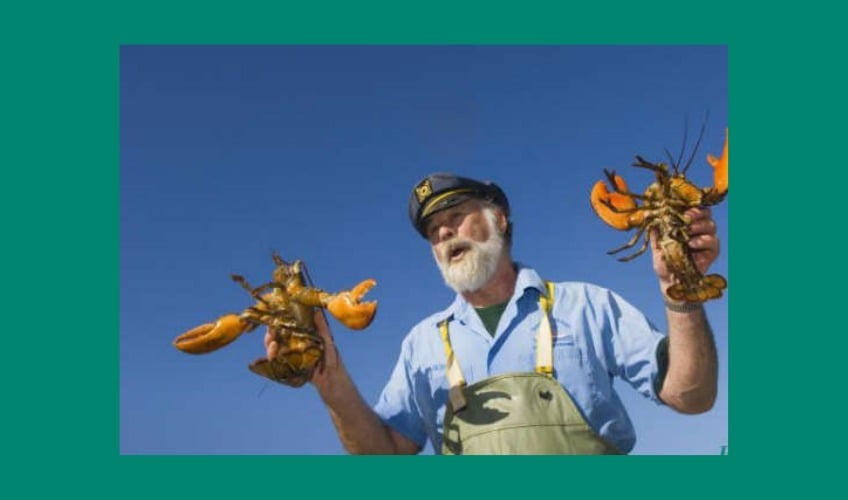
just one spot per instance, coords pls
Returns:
(516, 413)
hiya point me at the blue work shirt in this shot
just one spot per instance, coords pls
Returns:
(597, 336)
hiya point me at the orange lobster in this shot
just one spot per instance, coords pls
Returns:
(287, 309)
(664, 204)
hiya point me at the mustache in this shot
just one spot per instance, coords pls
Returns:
(447, 248)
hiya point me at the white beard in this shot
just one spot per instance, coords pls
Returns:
(479, 263)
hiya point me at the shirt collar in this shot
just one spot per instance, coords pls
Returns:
(527, 279)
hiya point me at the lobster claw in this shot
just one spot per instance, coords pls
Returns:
(211, 336)
(347, 308)
(719, 165)
(603, 199)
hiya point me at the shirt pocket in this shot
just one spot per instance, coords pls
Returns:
(567, 354)
(565, 342)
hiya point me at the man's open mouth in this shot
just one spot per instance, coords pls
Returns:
(456, 252)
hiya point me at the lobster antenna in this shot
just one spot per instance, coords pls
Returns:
(307, 276)
(277, 259)
(676, 164)
(698, 143)
(671, 159)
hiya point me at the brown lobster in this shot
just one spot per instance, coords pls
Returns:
(286, 305)
(662, 212)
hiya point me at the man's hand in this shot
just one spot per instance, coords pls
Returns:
(702, 241)
(322, 375)
(331, 361)
(359, 428)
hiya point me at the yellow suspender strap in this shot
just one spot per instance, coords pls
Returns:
(454, 373)
(544, 338)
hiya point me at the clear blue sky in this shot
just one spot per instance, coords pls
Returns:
(228, 152)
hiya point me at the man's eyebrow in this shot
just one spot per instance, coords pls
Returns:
(429, 224)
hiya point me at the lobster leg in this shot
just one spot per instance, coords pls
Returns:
(638, 252)
(617, 210)
(643, 163)
(277, 259)
(620, 187)
(256, 293)
(630, 243)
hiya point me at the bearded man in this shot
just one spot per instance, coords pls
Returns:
(517, 364)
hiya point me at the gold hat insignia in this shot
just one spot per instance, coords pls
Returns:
(423, 190)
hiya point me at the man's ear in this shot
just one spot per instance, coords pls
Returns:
(503, 222)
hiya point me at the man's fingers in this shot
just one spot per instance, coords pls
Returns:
(273, 349)
(703, 242)
(702, 226)
(695, 214)
(654, 236)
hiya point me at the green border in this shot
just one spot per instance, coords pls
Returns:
(60, 146)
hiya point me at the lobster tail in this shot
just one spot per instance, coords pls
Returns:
(706, 288)
(299, 356)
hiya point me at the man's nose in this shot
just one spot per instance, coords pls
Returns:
(446, 232)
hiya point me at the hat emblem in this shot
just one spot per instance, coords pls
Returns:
(423, 190)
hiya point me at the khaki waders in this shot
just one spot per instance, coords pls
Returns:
(516, 413)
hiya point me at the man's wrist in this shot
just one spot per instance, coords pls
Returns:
(682, 307)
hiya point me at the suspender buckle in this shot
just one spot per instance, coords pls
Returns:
(457, 399)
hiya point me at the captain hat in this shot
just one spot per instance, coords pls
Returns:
(439, 191)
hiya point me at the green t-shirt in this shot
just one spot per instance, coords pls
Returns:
(490, 316)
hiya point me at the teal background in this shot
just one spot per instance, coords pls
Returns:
(60, 159)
